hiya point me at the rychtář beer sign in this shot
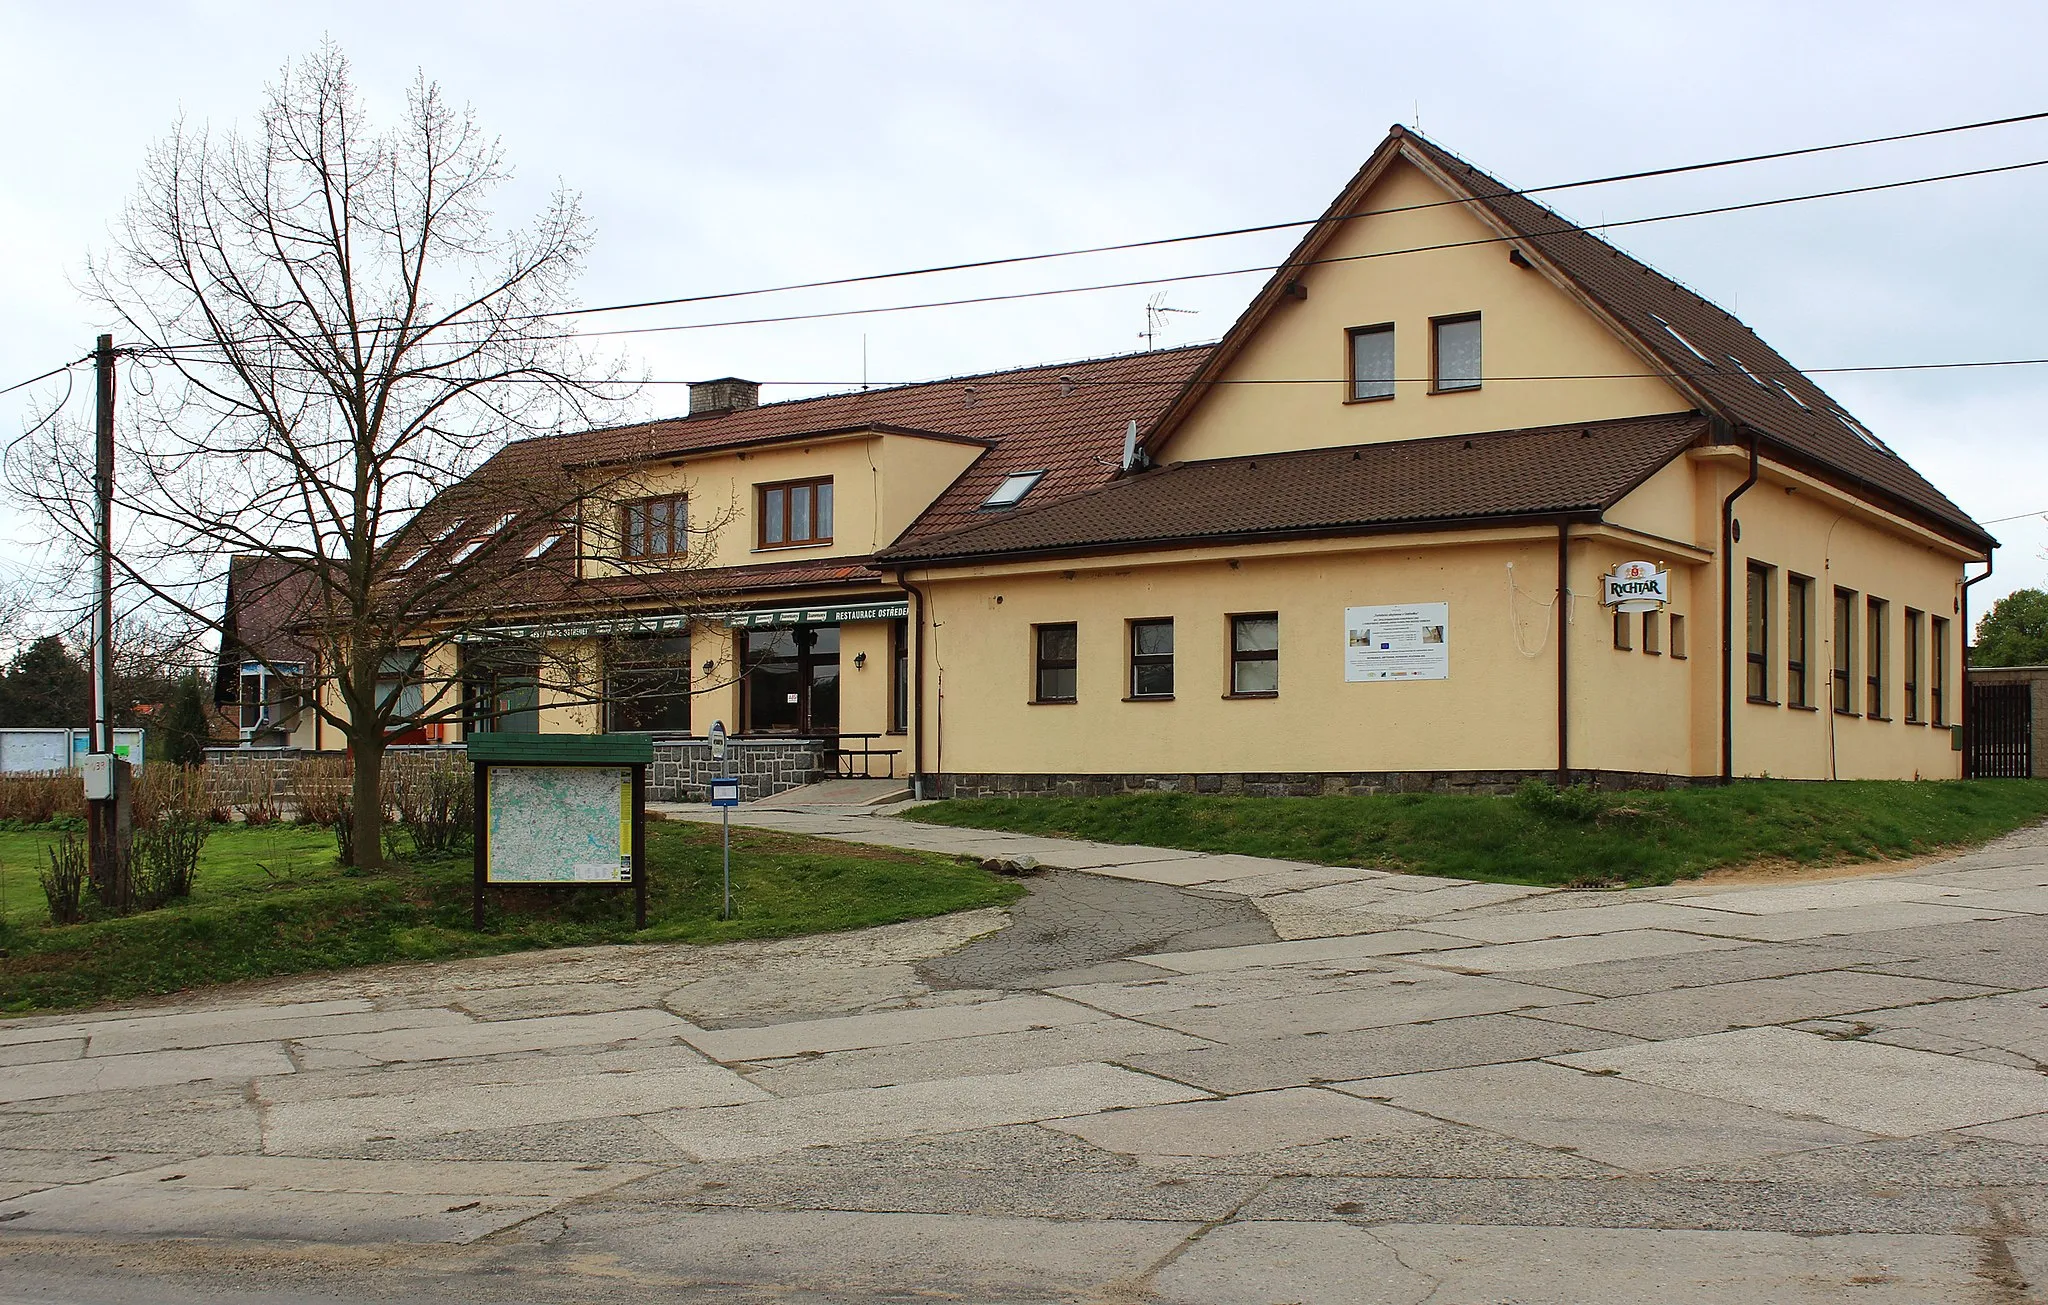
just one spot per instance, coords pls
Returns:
(1635, 587)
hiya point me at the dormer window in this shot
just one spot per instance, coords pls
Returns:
(1013, 489)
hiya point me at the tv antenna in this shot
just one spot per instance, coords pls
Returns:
(1155, 315)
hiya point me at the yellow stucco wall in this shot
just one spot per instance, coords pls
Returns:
(1496, 711)
(1529, 327)
(880, 483)
(1839, 543)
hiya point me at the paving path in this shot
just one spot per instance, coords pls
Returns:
(1176, 1078)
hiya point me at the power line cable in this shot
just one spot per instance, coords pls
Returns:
(1296, 224)
(169, 351)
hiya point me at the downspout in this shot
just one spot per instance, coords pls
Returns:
(1728, 616)
(917, 681)
(1963, 656)
(1564, 530)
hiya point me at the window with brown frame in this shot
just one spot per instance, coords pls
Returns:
(1845, 652)
(1678, 637)
(1759, 643)
(1622, 638)
(1875, 614)
(1911, 662)
(793, 513)
(1372, 362)
(1055, 651)
(1653, 634)
(1454, 353)
(1255, 655)
(654, 527)
(1798, 627)
(1152, 658)
(1937, 672)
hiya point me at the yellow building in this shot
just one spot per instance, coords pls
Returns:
(1465, 495)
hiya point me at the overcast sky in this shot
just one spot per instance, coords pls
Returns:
(727, 146)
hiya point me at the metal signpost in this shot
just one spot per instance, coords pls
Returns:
(725, 795)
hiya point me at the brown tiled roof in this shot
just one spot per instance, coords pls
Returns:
(1066, 419)
(1794, 417)
(1547, 472)
(266, 597)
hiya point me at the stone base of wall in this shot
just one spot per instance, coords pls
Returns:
(683, 770)
(1302, 784)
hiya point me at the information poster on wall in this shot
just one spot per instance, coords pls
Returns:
(1401, 641)
(560, 824)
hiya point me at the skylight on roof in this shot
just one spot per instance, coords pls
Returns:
(1674, 333)
(413, 561)
(1788, 394)
(1755, 379)
(1013, 489)
(468, 550)
(543, 546)
(449, 529)
(1861, 432)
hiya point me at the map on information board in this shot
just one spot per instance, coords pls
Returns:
(1405, 641)
(559, 824)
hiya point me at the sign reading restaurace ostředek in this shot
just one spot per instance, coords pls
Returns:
(1403, 641)
(1635, 587)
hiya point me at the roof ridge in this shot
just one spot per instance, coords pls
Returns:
(652, 422)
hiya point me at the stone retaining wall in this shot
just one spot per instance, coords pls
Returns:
(1304, 784)
(682, 770)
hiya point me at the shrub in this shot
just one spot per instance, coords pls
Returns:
(35, 799)
(165, 859)
(64, 880)
(170, 794)
(322, 787)
(1576, 803)
(434, 801)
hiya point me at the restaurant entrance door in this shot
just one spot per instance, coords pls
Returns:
(791, 680)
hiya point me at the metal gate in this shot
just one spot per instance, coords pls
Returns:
(2000, 736)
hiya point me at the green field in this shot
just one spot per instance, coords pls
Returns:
(271, 900)
(1573, 838)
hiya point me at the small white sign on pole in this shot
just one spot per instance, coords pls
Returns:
(1635, 587)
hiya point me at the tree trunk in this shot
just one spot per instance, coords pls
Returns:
(366, 801)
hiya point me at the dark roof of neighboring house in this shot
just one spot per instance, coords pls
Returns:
(266, 597)
(1579, 469)
(1734, 373)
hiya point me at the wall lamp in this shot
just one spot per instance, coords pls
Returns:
(860, 661)
(710, 667)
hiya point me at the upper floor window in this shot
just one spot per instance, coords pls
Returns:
(1454, 353)
(1372, 362)
(654, 527)
(794, 512)
(1152, 658)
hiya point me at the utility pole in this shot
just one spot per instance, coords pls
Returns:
(106, 776)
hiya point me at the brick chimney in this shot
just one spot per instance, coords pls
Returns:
(726, 394)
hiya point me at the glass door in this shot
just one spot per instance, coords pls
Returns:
(792, 680)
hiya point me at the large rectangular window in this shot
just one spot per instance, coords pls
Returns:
(1798, 639)
(1054, 651)
(1845, 652)
(1255, 655)
(1759, 641)
(1372, 362)
(654, 527)
(1454, 353)
(793, 513)
(899, 676)
(501, 690)
(1152, 658)
(1937, 672)
(1916, 623)
(647, 684)
(790, 680)
(1875, 646)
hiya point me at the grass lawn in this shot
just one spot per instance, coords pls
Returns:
(1632, 838)
(271, 900)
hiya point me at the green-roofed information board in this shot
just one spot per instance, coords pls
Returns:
(561, 809)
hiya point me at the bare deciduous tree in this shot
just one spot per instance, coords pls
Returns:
(339, 345)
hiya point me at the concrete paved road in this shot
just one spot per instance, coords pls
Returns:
(1175, 1078)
